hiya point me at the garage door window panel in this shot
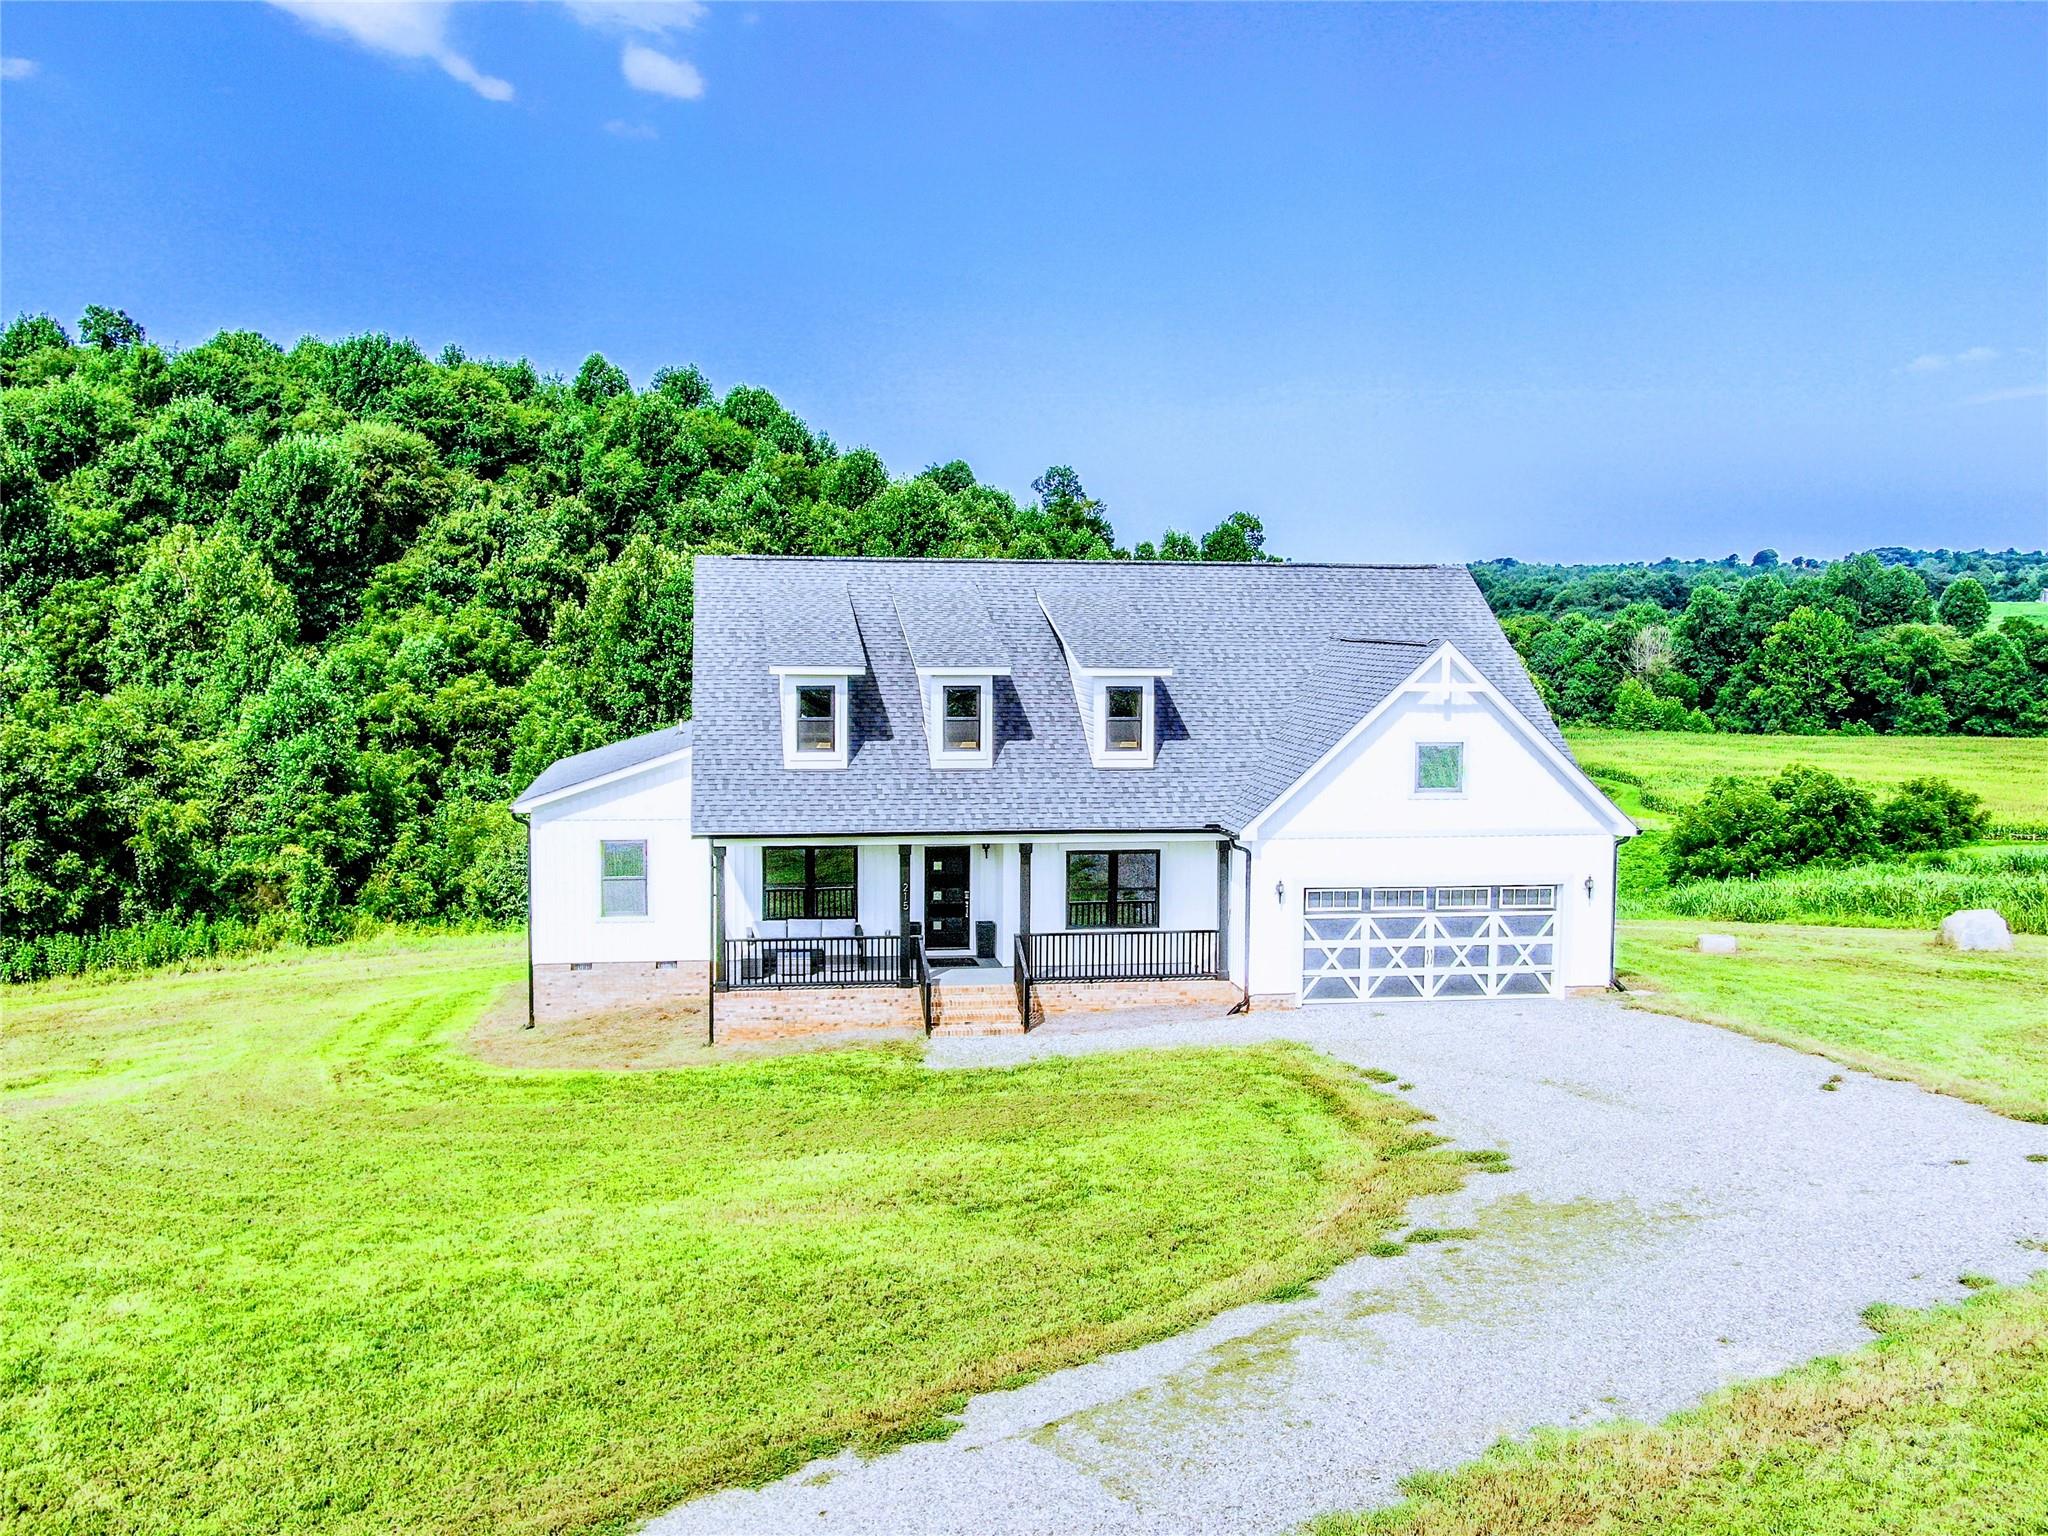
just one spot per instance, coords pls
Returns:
(1443, 941)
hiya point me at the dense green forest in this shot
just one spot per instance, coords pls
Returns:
(283, 630)
(1887, 640)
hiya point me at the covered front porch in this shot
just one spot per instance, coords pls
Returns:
(982, 930)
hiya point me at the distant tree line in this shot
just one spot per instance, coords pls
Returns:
(1888, 640)
(283, 630)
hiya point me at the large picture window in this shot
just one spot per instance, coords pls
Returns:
(807, 882)
(1113, 890)
(622, 879)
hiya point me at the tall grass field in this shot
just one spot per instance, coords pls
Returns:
(2010, 773)
(1915, 893)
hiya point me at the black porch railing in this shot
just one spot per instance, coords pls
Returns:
(885, 960)
(1130, 912)
(785, 901)
(1122, 954)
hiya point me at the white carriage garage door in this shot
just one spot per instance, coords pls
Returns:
(1427, 941)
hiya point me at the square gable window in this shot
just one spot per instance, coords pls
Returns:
(1124, 721)
(817, 724)
(1440, 768)
(962, 722)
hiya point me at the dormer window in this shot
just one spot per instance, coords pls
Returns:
(959, 717)
(1124, 720)
(814, 654)
(962, 721)
(1116, 663)
(958, 655)
(814, 723)
(1119, 714)
(817, 719)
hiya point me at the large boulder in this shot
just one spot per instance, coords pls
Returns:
(1979, 928)
(1718, 944)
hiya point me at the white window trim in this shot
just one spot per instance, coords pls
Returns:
(1415, 788)
(841, 684)
(933, 683)
(1099, 750)
(646, 881)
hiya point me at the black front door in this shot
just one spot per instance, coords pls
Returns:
(945, 899)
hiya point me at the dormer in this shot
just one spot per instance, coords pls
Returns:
(958, 656)
(814, 656)
(1115, 664)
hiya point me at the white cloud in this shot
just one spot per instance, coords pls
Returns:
(1937, 362)
(646, 69)
(18, 69)
(657, 17)
(619, 128)
(404, 29)
(1998, 396)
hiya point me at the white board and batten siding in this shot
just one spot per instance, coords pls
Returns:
(1525, 830)
(568, 837)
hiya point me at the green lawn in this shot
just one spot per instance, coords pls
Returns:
(1890, 1000)
(1940, 1427)
(284, 1254)
(2009, 772)
(2015, 610)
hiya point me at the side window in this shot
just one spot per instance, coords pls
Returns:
(622, 882)
(1440, 767)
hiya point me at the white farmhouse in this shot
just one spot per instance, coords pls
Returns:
(966, 794)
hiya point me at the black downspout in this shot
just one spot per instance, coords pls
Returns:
(528, 820)
(1614, 917)
(715, 971)
(1244, 1002)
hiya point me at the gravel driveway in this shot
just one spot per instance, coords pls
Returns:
(1688, 1208)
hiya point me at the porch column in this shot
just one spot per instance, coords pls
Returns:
(1024, 889)
(1223, 906)
(903, 883)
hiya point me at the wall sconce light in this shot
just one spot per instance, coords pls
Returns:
(984, 850)
(1589, 887)
(1280, 890)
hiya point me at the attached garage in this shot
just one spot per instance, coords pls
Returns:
(1425, 941)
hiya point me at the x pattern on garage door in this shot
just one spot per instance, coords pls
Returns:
(1428, 941)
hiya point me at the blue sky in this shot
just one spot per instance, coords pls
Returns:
(1604, 283)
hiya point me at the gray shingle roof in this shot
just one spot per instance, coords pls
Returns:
(1101, 629)
(564, 773)
(1271, 665)
(810, 623)
(949, 626)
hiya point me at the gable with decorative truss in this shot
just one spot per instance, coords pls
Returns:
(1443, 753)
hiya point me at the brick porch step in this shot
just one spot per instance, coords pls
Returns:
(975, 1011)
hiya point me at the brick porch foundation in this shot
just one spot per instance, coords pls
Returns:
(789, 1013)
